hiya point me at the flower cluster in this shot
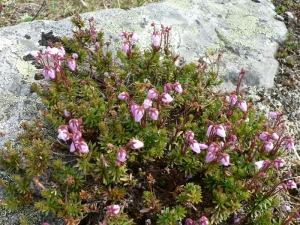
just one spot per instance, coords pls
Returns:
(202, 221)
(52, 61)
(122, 154)
(153, 94)
(126, 45)
(73, 131)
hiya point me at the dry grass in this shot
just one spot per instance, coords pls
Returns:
(16, 11)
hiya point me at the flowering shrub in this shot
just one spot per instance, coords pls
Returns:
(140, 138)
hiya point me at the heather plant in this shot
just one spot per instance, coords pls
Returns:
(140, 138)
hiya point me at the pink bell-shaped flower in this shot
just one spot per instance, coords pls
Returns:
(156, 39)
(49, 72)
(166, 98)
(123, 96)
(153, 113)
(194, 145)
(121, 154)
(138, 113)
(135, 144)
(242, 105)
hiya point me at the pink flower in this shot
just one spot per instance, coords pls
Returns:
(72, 64)
(236, 219)
(82, 147)
(156, 39)
(189, 135)
(166, 98)
(203, 221)
(74, 56)
(123, 96)
(138, 113)
(216, 129)
(202, 146)
(168, 87)
(153, 113)
(153, 93)
(133, 106)
(259, 164)
(134, 37)
(36, 54)
(233, 99)
(76, 135)
(135, 144)
(268, 145)
(121, 154)
(177, 87)
(67, 113)
(189, 221)
(125, 46)
(194, 145)
(61, 51)
(113, 210)
(242, 105)
(275, 136)
(289, 143)
(64, 134)
(224, 159)
(286, 208)
(273, 115)
(211, 156)
(123, 34)
(278, 162)
(264, 136)
(63, 128)
(74, 124)
(233, 138)
(147, 103)
(214, 147)
(291, 184)
(49, 72)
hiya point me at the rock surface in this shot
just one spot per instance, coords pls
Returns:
(245, 32)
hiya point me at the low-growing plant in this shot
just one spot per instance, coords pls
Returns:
(142, 138)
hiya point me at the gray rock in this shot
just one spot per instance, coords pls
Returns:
(245, 32)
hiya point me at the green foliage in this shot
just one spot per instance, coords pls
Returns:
(191, 193)
(109, 159)
(171, 216)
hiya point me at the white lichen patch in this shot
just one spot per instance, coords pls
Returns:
(180, 4)
(7, 101)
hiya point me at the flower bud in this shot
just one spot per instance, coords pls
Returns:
(147, 103)
(177, 87)
(278, 162)
(125, 46)
(153, 93)
(48, 72)
(113, 210)
(134, 37)
(194, 145)
(121, 154)
(156, 39)
(166, 98)
(233, 99)
(153, 113)
(123, 96)
(72, 64)
(138, 113)
(242, 105)
(189, 135)
(136, 144)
